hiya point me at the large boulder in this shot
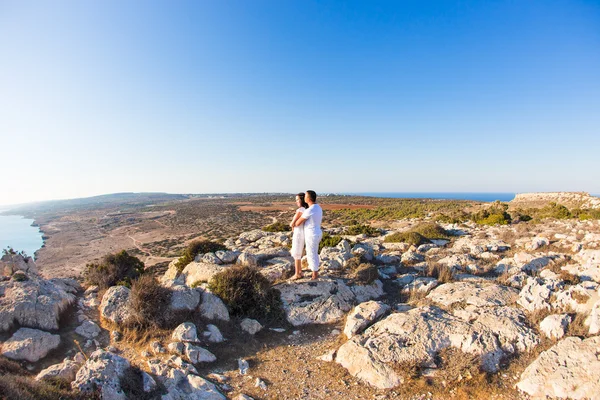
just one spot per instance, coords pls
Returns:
(114, 306)
(29, 344)
(35, 302)
(88, 329)
(184, 298)
(102, 372)
(569, 369)
(212, 307)
(11, 263)
(196, 272)
(316, 302)
(415, 337)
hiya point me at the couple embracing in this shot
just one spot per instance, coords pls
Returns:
(306, 225)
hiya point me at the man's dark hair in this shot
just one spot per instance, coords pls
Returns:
(312, 195)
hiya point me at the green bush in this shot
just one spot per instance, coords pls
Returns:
(409, 237)
(119, 268)
(149, 303)
(247, 292)
(360, 229)
(20, 277)
(584, 214)
(431, 230)
(329, 241)
(495, 214)
(554, 210)
(194, 248)
(277, 227)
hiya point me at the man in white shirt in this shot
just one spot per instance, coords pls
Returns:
(311, 218)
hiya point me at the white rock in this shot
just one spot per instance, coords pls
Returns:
(329, 356)
(114, 306)
(555, 326)
(196, 272)
(184, 298)
(214, 334)
(474, 293)
(367, 292)
(228, 257)
(594, 319)
(251, 326)
(571, 368)
(243, 366)
(29, 344)
(197, 354)
(102, 372)
(64, 371)
(88, 330)
(185, 332)
(212, 307)
(363, 315)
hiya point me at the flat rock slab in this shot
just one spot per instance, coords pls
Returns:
(569, 369)
(29, 344)
(415, 337)
(321, 301)
(474, 293)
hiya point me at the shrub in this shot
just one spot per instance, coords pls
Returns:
(247, 292)
(20, 277)
(194, 248)
(554, 210)
(585, 213)
(495, 214)
(440, 272)
(360, 229)
(365, 273)
(113, 269)
(431, 230)
(277, 227)
(329, 241)
(149, 303)
(409, 237)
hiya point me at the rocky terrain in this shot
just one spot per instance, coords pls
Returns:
(505, 311)
(570, 199)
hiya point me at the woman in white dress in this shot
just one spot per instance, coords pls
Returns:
(298, 236)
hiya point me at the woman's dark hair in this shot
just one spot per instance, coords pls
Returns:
(302, 202)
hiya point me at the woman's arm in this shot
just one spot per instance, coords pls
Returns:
(296, 216)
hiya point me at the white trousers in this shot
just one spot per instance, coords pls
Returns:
(298, 242)
(312, 240)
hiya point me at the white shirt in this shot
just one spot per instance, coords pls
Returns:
(313, 216)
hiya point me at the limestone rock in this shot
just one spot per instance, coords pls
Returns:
(11, 263)
(34, 303)
(196, 272)
(367, 292)
(29, 344)
(474, 293)
(181, 385)
(212, 307)
(315, 302)
(211, 258)
(213, 334)
(415, 336)
(555, 326)
(570, 368)
(88, 330)
(184, 298)
(102, 372)
(251, 326)
(536, 294)
(65, 371)
(364, 315)
(228, 257)
(197, 354)
(114, 305)
(185, 332)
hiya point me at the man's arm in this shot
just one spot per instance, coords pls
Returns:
(300, 221)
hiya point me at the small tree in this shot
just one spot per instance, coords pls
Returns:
(119, 268)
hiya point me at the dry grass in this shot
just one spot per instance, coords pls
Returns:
(149, 303)
(440, 272)
(538, 316)
(365, 274)
(580, 298)
(577, 326)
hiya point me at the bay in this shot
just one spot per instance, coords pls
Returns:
(17, 232)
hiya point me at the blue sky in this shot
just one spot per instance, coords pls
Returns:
(257, 96)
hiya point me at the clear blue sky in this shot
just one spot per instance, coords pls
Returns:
(253, 96)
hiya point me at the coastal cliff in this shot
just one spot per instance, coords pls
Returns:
(570, 199)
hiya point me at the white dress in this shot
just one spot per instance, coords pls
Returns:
(298, 239)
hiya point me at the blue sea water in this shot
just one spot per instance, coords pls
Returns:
(17, 232)
(475, 196)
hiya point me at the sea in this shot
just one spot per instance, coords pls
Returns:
(475, 196)
(17, 232)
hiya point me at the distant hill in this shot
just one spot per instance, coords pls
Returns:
(569, 199)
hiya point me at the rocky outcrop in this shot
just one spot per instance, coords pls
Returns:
(29, 344)
(363, 315)
(65, 371)
(570, 199)
(414, 337)
(473, 293)
(114, 306)
(35, 302)
(102, 372)
(212, 307)
(569, 369)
